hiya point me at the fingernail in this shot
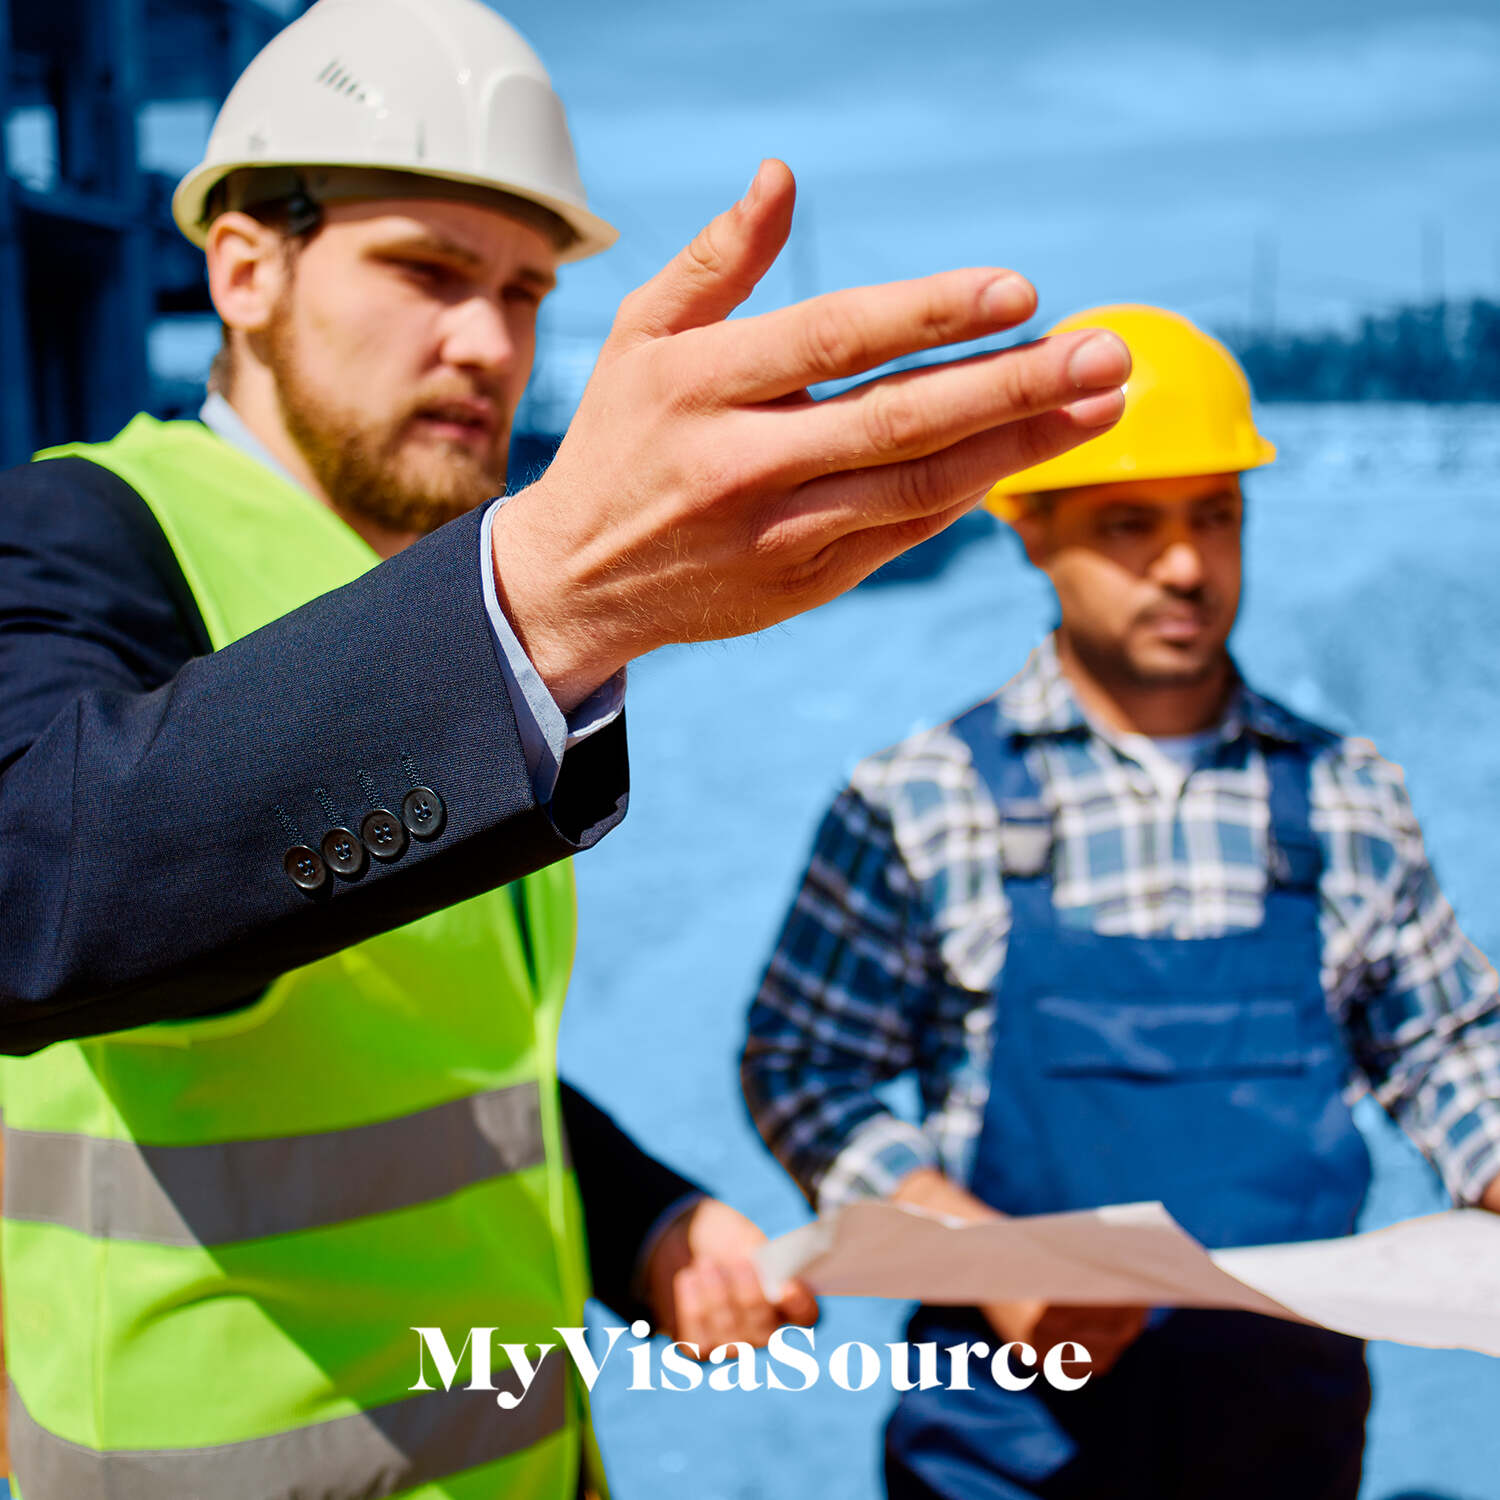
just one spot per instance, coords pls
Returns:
(753, 190)
(1007, 296)
(1099, 361)
(1097, 410)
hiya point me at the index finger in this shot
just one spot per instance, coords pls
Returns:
(850, 332)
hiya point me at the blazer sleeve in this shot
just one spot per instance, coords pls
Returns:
(149, 792)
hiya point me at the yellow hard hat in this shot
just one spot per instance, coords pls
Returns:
(1187, 411)
(445, 93)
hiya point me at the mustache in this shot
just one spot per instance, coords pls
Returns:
(1199, 600)
(477, 402)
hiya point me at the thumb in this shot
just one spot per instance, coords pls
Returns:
(709, 278)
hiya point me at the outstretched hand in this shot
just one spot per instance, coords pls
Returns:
(700, 492)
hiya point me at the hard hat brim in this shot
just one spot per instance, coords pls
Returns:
(1004, 498)
(594, 234)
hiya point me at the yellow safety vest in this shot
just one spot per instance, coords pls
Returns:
(219, 1234)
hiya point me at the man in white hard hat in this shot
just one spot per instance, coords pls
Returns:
(1135, 928)
(298, 734)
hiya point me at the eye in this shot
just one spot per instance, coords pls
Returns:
(1127, 528)
(432, 275)
(522, 294)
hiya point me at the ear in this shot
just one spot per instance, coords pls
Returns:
(247, 270)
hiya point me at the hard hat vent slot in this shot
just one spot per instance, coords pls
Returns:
(336, 77)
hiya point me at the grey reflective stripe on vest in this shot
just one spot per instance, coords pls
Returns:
(377, 1452)
(241, 1190)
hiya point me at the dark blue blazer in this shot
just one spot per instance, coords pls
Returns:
(149, 790)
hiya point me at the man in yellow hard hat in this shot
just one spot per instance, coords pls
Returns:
(298, 731)
(1135, 927)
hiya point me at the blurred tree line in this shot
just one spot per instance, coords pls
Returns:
(1437, 351)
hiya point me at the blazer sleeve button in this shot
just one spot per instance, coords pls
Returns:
(343, 852)
(383, 834)
(305, 867)
(423, 812)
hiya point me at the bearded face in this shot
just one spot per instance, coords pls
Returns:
(395, 354)
(1147, 575)
(411, 469)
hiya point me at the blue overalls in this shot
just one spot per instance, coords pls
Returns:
(1206, 1073)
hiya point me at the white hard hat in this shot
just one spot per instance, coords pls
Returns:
(444, 89)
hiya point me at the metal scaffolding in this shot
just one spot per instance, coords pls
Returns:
(89, 258)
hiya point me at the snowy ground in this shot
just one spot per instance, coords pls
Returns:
(1371, 605)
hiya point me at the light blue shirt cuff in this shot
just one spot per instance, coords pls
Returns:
(545, 733)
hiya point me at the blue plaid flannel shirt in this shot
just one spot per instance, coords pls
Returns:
(886, 963)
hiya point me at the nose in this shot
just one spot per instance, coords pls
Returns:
(1179, 566)
(477, 335)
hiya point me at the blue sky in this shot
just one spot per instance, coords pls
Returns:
(1310, 159)
(1149, 151)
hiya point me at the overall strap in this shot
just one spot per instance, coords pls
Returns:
(999, 758)
(1294, 854)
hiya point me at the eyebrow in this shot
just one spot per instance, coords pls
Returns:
(449, 249)
(1119, 510)
(1128, 507)
(1213, 498)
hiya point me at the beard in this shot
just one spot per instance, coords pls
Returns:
(382, 470)
(1168, 665)
(1125, 662)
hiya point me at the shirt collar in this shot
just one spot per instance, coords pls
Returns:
(221, 418)
(1039, 702)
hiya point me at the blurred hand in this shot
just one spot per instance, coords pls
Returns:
(1106, 1332)
(701, 493)
(1491, 1198)
(702, 1285)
